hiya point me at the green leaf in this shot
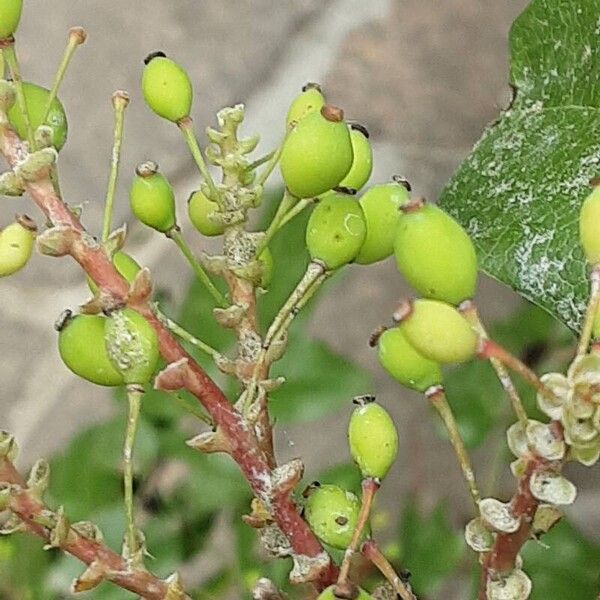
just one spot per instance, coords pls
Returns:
(564, 565)
(430, 548)
(519, 191)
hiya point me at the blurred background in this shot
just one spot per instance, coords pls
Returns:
(425, 78)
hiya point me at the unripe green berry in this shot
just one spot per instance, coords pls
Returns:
(36, 98)
(82, 348)
(362, 163)
(373, 439)
(439, 332)
(332, 513)
(127, 267)
(266, 260)
(16, 246)
(381, 207)
(435, 254)
(589, 226)
(310, 100)
(317, 153)
(405, 364)
(152, 199)
(336, 230)
(200, 209)
(132, 345)
(328, 594)
(10, 15)
(166, 87)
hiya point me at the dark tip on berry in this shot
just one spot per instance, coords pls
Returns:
(153, 55)
(64, 317)
(333, 113)
(27, 222)
(311, 85)
(309, 489)
(345, 190)
(361, 128)
(595, 182)
(375, 335)
(146, 169)
(402, 181)
(341, 520)
(364, 399)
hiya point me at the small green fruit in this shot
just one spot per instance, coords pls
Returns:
(362, 163)
(200, 209)
(132, 346)
(439, 332)
(127, 267)
(336, 230)
(373, 439)
(266, 260)
(166, 87)
(16, 247)
(381, 207)
(589, 226)
(82, 348)
(152, 199)
(405, 364)
(332, 513)
(36, 98)
(328, 594)
(10, 15)
(435, 254)
(310, 100)
(317, 153)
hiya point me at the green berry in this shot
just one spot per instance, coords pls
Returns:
(132, 346)
(266, 260)
(166, 87)
(317, 153)
(439, 332)
(10, 15)
(373, 439)
(336, 230)
(152, 199)
(381, 207)
(36, 98)
(328, 594)
(332, 513)
(126, 266)
(435, 254)
(310, 100)
(405, 364)
(16, 246)
(201, 211)
(82, 348)
(589, 226)
(362, 163)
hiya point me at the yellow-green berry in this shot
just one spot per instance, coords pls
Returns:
(16, 245)
(362, 163)
(589, 226)
(132, 345)
(152, 199)
(83, 350)
(36, 99)
(381, 207)
(10, 15)
(166, 87)
(332, 513)
(201, 211)
(439, 332)
(317, 153)
(405, 364)
(328, 594)
(373, 438)
(435, 254)
(336, 230)
(310, 100)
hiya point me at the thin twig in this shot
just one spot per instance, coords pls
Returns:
(590, 314)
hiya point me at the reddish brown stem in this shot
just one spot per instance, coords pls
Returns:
(244, 446)
(88, 551)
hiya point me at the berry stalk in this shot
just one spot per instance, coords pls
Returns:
(371, 552)
(591, 311)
